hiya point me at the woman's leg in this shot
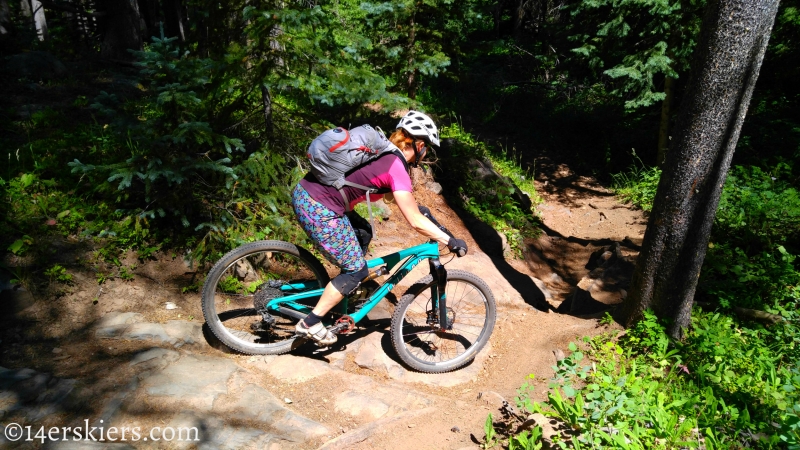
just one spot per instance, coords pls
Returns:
(335, 238)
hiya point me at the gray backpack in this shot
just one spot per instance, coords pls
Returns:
(335, 153)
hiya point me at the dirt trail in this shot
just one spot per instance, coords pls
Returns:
(94, 336)
(580, 217)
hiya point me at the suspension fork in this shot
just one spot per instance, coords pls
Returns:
(438, 291)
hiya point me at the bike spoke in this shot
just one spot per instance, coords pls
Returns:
(468, 317)
(238, 289)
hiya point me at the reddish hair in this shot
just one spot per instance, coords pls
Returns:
(401, 138)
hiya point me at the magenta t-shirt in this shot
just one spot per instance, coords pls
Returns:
(386, 172)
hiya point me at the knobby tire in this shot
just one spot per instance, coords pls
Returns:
(234, 283)
(426, 348)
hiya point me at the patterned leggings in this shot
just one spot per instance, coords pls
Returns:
(332, 235)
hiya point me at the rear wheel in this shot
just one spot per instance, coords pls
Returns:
(424, 346)
(246, 279)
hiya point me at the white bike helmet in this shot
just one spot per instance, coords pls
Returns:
(420, 125)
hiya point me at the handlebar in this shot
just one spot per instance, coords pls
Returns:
(425, 211)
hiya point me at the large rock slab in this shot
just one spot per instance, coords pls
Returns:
(181, 332)
(297, 369)
(254, 403)
(86, 445)
(131, 326)
(154, 358)
(375, 400)
(213, 433)
(359, 404)
(35, 394)
(195, 380)
(145, 332)
(365, 431)
(114, 324)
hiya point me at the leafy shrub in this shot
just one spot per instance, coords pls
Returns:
(58, 273)
(723, 387)
(758, 210)
(767, 280)
(257, 207)
(638, 185)
(168, 152)
(165, 165)
(748, 262)
(751, 258)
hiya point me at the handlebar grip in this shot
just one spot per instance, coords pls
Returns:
(460, 251)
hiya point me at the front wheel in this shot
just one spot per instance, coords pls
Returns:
(424, 346)
(244, 281)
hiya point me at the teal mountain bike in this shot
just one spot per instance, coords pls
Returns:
(254, 296)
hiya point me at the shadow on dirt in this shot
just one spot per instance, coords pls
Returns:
(490, 243)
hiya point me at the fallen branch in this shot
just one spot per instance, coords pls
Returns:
(757, 315)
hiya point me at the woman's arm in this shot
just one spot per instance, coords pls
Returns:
(408, 206)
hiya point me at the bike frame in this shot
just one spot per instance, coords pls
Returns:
(409, 258)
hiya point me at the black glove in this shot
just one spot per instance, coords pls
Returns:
(457, 246)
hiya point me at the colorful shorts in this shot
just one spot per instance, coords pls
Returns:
(332, 235)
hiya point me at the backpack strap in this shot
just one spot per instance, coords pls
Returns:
(341, 183)
(342, 142)
(402, 159)
(369, 202)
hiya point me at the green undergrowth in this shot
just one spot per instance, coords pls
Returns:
(727, 385)
(156, 170)
(507, 202)
(637, 185)
(751, 259)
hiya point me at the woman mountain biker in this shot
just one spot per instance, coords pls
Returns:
(321, 212)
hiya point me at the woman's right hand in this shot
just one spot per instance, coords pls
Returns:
(457, 246)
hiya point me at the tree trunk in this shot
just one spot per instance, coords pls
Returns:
(5, 17)
(663, 129)
(266, 101)
(497, 13)
(39, 19)
(732, 43)
(411, 81)
(148, 10)
(173, 18)
(123, 29)
(519, 18)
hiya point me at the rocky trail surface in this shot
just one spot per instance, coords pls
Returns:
(134, 356)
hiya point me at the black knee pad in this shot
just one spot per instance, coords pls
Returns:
(347, 282)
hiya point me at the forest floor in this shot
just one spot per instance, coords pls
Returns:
(113, 353)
